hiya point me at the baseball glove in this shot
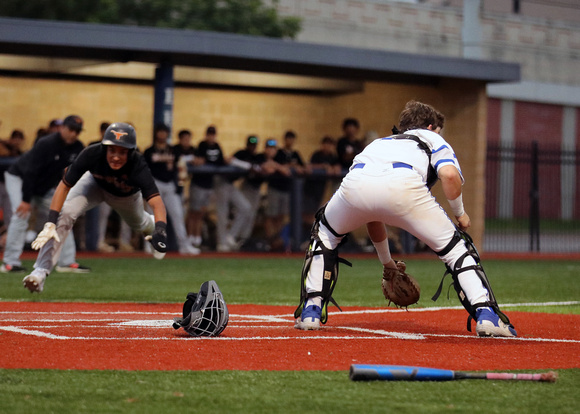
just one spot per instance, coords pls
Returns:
(399, 287)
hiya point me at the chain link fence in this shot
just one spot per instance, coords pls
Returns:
(532, 199)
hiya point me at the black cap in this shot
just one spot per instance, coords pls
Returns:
(252, 140)
(73, 122)
(55, 122)
(210, 130)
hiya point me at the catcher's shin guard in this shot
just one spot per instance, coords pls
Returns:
(330, 276)
(459, 268)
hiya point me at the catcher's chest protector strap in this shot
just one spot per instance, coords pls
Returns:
(431, 173)
(459, 268)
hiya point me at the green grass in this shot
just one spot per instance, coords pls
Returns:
(30, 391)
(275, 281)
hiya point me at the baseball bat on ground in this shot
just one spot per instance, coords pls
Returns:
(360, 372)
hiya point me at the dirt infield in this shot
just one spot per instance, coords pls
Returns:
(132, 336)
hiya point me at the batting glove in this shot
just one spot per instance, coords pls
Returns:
(159, 237)
(47, 233)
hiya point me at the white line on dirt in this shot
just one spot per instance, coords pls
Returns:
(378, 335)
(243, 321)
(284, 317)
(32, 332)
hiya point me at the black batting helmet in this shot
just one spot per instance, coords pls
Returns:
(120, 134)
(204, 313)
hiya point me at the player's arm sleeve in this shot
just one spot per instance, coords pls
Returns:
(444, 155)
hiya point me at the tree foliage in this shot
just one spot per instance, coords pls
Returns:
(251, 17)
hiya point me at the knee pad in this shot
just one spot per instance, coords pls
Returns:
(459, 267)
(330, 273)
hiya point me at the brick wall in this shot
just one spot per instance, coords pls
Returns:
(31, 103)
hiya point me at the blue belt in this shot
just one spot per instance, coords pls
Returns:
(395, 165)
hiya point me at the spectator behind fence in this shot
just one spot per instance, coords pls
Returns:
(349, 145)
(252, 183)
(10, 148)
(279, 190)
(185, 154)
(323, 162)
(230, 202)
(32, 180)
(163, 164)
(209, 152)
(53, 126)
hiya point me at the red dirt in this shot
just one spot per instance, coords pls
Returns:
(89, 336)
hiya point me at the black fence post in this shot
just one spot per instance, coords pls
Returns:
(534, 201)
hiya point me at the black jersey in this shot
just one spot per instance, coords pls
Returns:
(41, 168)
(347, 150)
(316, 186)
(255, 178)
(284, 157)
(132, 177)
(213, 155)
(162, 162)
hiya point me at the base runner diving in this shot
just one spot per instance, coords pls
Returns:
(113, 172)
(389, 182)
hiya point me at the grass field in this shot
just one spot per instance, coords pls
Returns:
(275, 281)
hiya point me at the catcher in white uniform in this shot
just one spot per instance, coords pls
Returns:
(389, 183)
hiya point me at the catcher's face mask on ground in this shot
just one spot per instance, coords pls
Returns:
(204, 313)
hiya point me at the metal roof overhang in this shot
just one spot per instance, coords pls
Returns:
(114, 43)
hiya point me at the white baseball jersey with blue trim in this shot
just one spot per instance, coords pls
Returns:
(385, 151)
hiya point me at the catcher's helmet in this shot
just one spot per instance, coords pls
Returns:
(204, 313)
(120, 134)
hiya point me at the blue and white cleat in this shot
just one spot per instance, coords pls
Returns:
(489, 324)
(310, 319)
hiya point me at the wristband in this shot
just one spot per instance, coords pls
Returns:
(383, 251)
(457, 206)
(160, 226)
(53, 216)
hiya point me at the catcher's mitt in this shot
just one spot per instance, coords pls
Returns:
(399, 287)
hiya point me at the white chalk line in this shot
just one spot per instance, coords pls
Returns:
(285, 317)
(380, 335)
(248, 319)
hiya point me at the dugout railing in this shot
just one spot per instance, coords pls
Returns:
(532, 198)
